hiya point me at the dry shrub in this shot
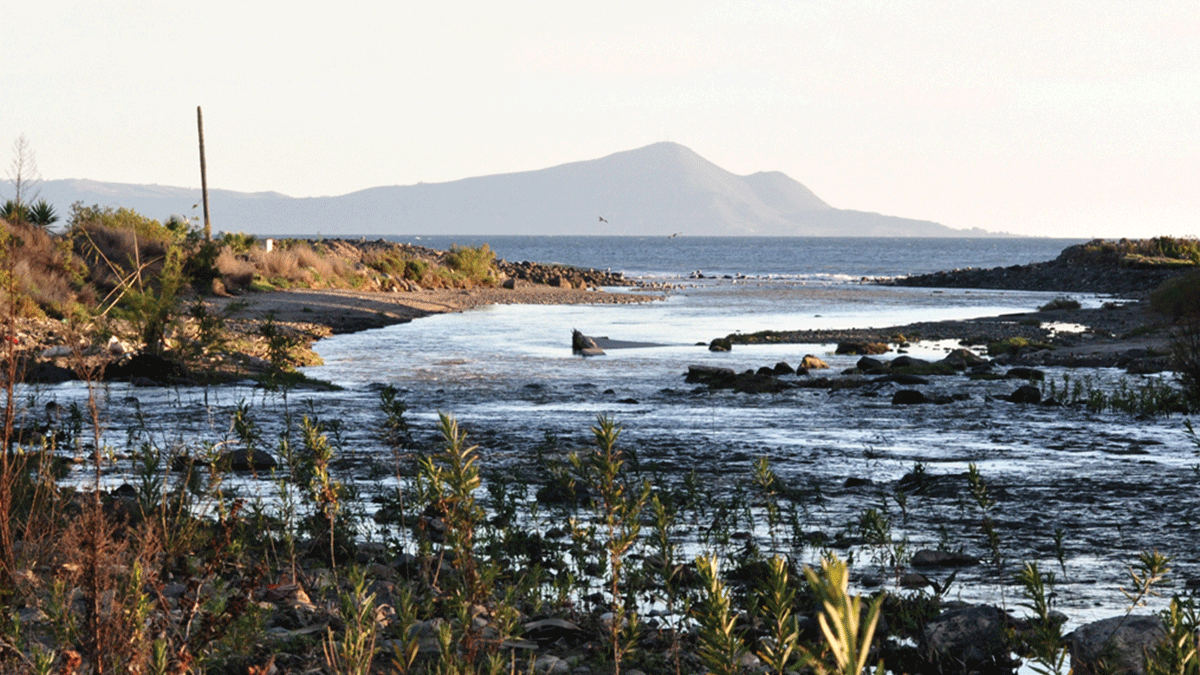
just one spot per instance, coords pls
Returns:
(45, 275)
(236, 270)
(114, 256)
(300, 264)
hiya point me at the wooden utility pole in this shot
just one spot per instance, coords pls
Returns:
(203, 175)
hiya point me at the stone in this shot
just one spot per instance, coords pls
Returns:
(811, 362)
(246, 460)
(720, 345)
(782, 368)
(909, 397)
(1022, 373)
(1118, 644)
(1026, 394)
(932, 558)
(967, 637)
(859, 347)
(870, 365)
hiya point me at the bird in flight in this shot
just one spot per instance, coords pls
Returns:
(602, 219)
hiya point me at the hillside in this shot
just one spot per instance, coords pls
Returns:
(660, 189)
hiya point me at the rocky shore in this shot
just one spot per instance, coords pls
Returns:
(1097, 267)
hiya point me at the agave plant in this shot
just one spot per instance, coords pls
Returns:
(14, 211)
(41, 214)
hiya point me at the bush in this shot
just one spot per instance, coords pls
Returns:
(46, 277)
(472, 264)
(1178, 298)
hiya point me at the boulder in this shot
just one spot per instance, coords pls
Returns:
(782, 368)
(870, 365)
(810, 362)
(907, 362)
(584, 345)
(720, 345)
(967, 637)
(713, 376)
(909, 397)
(1022, 373)
(861, 347)
(1026, 394)
(961, 359)
(1119, 644)
(931, 558)
(247, 460)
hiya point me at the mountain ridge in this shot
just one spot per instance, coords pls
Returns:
(660, 189)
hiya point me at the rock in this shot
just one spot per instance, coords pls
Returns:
(961, 359)
(908, 362)
(584, 345)
(931, 558)
(870, 365)
(246, 460)
(811, 362)
(782, 368)
(966, 637)
(854, 481)
(861, 348)
(1026, 394)
(548, 664)
(546, 632)
(1022, 373)
(909, 397)
(1118, 644)
(720, 345)
(714, 376)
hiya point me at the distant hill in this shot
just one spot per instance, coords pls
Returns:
(660, 189)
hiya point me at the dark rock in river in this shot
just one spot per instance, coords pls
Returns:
(961, 359)
(1115, 645)
(871, 365)
(930, 558)
(1022, 373)
(711, 375)
(1026, 394)
(782, 368)
(909, 397)
(720, 345)
(861, 347)
(966, 638)
(584, 345)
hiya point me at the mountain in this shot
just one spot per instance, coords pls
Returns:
(660, 189)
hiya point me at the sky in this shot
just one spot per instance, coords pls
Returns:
(1063, 119)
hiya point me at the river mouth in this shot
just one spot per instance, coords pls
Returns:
(1112, 484)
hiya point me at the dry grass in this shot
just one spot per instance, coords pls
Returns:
(45, 276)
(300, 265)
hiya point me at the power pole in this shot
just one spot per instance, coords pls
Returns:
(203, 175)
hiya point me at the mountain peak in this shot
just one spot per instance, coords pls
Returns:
(658, 189)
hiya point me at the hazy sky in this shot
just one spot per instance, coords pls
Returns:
(1071, 119)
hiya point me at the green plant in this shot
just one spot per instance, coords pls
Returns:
(353, 654)
(1044, 640)
(848, 633)
(720, 647)
(775, 602)
(1178, 653)
(473, 264)
(620, 505)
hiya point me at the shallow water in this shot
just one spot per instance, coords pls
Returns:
(1116, 485)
